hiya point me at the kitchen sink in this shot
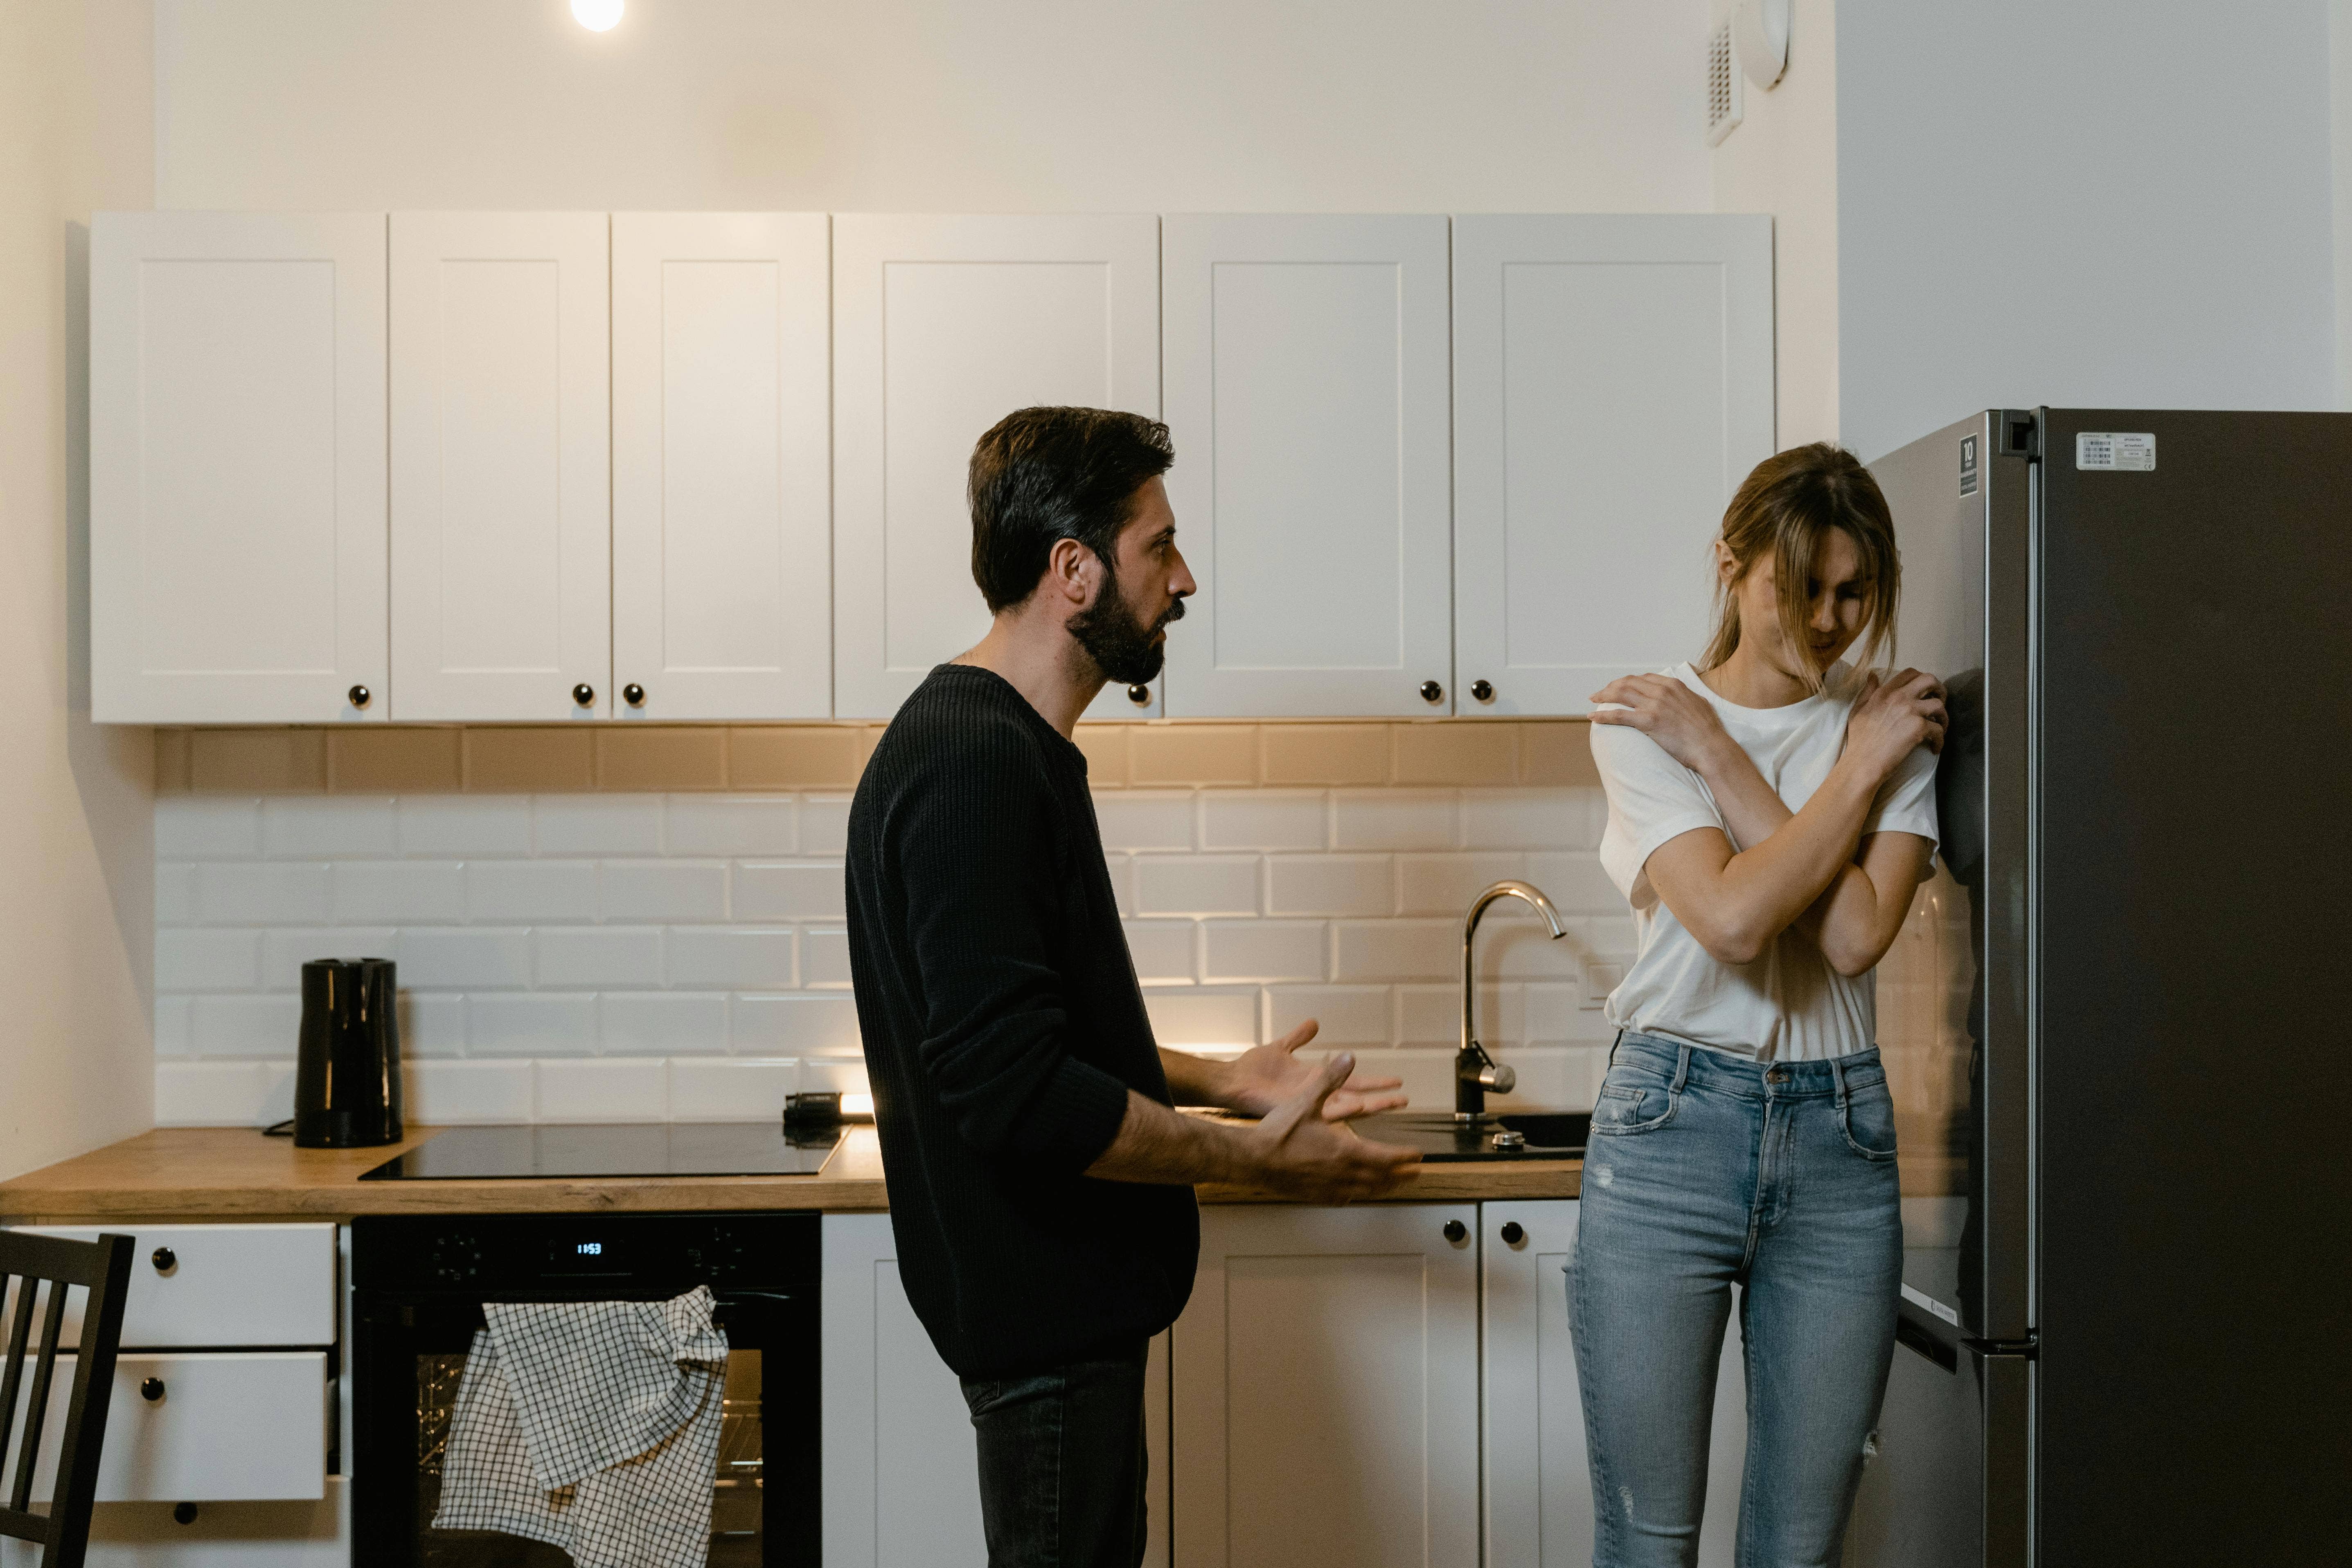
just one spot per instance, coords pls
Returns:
(1550, 1135)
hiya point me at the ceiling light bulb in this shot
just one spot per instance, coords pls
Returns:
(596, 16)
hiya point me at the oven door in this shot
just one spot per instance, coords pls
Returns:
(410, 1353)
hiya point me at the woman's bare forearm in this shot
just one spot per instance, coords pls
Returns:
(1845, 917)
(1736, 902)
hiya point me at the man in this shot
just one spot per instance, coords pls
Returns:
(1039, 1174)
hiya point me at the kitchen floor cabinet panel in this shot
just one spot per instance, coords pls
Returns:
(1612, 386)
(1538, 1485)
(227, 1425)
(237, 467)
(215, 1285)
(941, 327)
(1308, 394)
(1326, 1390)
(722, 602)
(901, 1479)
(303, 1535)
(501, 473)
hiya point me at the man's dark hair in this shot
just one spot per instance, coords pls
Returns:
(1048, 474)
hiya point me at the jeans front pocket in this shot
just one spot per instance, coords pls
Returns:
(1633, 1104)
(1868, 1119)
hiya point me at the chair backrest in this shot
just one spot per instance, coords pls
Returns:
(102, 1267)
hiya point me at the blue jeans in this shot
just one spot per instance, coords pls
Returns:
(1704, 1171)
(1062, 1464)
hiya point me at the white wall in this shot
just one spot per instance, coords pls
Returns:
(2340, 38)
(77, 846)
(2109, 202)
(916, 105)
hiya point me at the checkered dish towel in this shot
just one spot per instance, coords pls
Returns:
(592, 1427)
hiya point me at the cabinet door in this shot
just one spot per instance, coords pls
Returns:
(901, 1475)
(236, 468)
(1538, 1488)
(941, 327)
(501, 509)
(1613, 385)
(1326, 1390)
(306, 1534)
(1308, 397)
(722, 593)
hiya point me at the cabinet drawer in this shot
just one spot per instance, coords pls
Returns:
(226, 1284)
(298, 1534)
(231, 1425)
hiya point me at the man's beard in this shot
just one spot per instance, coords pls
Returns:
(1121, 647)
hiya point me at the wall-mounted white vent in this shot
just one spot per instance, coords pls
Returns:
(1723, 87)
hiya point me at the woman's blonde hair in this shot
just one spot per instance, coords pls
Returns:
(1786, 507)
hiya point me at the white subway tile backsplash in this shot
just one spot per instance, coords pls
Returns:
(174, 1024)
(401, 892)
(1552, 1077)
(594, 957)
(824, 824)
(1262, 951)
(1432, 1014)
(1164, 951)
(1145, 820)
(464, 958)
(597, 824)
(732, 825)
(662, 890)
(250, 892)
(520, 1024)
(1444, 884)
(1530, 818)
(458, 825)
(1394, 951)
(825, 960)
(543, 892)
(784, 890)
(213, 1094)
(446, 1093)
(623, 1089)
(431, 1023)
(1180, 1018)
(195, 960)
(1557, 1015)
(1396, 819)
(284, 952)
(1576, 883)
(731, 1089)
(835, 1073)
(1330, 885)
(733, 958)
(1196, 884)
(328, 827)
(785, 1023)
(264, 1026)
(1354, 1017)
(175, 893)
(1265, 819)
(1516, 949)
(662, 1023)
(203, 827)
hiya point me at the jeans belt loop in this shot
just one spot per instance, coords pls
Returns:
(1837, 1071)
(1682, 1068)
(1612, 1051)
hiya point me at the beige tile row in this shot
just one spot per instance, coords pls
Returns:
(507, 759)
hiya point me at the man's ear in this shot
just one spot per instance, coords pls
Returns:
(1072, 571)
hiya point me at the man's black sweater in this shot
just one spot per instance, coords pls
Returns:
(1003, 1029)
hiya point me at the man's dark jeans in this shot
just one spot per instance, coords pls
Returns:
(1061, 1464)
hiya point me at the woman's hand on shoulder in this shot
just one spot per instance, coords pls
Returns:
(1895, 716)
(1683, 724)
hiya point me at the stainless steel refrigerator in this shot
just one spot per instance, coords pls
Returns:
(2117, 1024)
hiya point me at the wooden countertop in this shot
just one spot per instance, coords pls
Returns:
(235, 1172)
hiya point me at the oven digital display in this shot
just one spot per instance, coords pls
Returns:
(586, 1255)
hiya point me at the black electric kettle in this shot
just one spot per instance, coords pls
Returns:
(347, 1077)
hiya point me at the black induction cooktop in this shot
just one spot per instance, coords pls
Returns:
(613, 1149)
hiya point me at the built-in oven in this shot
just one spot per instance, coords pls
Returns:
(418, 1287)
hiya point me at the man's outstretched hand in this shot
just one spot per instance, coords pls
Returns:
(1261, 1078)
(1301, 1150)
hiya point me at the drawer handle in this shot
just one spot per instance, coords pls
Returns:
(1512, 1233)
(164, 1259)
(151, 1389)
(1456, 1231)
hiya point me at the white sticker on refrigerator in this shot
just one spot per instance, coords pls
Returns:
(1920, 1298)
(2121, 451)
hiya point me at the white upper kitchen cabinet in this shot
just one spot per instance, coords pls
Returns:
(1613, 385)
(941, 327)
(1325, 1403)
(236, 468)
(1308, 399)
(723, 599)
(501, 501)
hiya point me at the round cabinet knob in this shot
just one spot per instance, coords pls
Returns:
(151, 1389)
(584, 695)
(1483, 690)
(164, 1259)
(1139, 695)
(1456, 1231)
(1432, 692)
(1513, 1235)
(633, 695)
(359, 696)
(184, 1513)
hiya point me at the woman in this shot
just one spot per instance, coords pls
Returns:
(1770, 813)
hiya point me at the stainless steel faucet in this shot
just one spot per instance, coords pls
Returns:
(1476, 1072)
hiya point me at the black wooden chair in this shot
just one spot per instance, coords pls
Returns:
(103, 1268)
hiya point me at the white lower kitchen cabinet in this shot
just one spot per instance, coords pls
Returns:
(310, 1534)
(901, 1477)
(1538, 1492)
(1325, 1408)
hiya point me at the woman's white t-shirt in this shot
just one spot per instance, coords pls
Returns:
(1789, 1005)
